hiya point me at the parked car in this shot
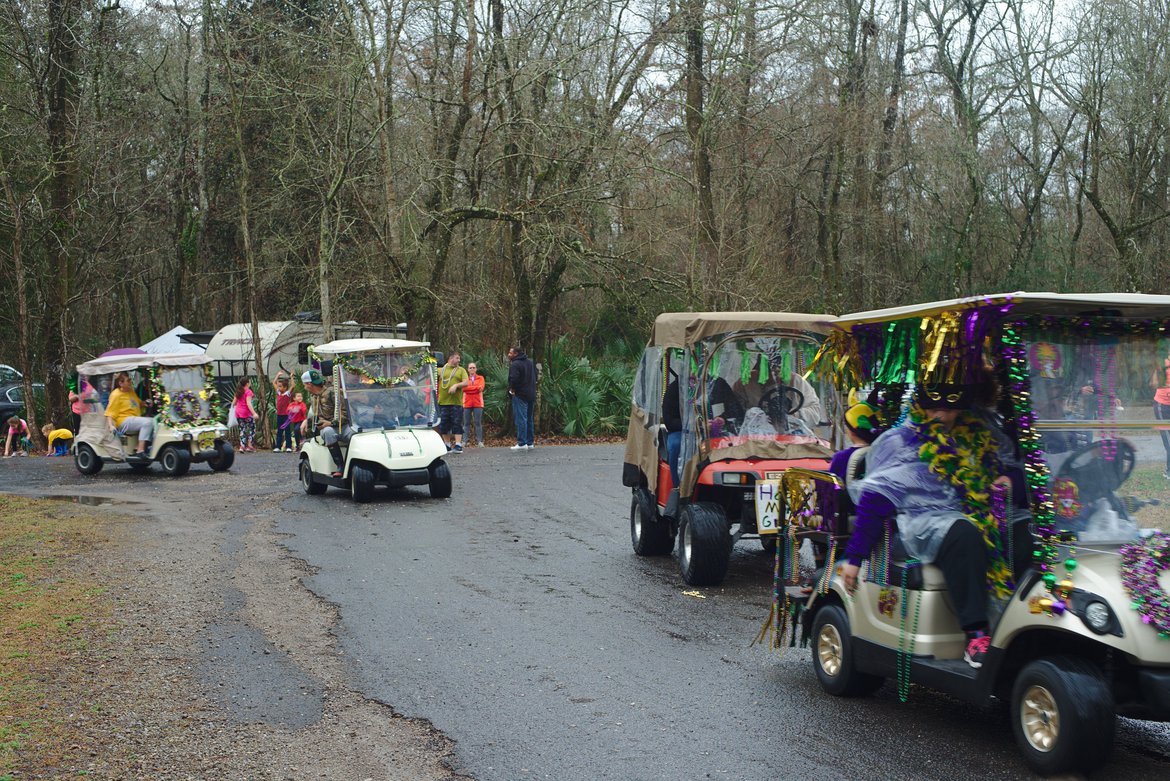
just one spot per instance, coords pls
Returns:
(9, 375)
(12, 399)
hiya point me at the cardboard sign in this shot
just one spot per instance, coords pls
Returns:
(768, 511)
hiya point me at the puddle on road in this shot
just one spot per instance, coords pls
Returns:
(92, 501)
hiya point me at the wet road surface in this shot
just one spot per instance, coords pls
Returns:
(516, 618)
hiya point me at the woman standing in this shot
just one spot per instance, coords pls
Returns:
(245, 415)
(473, 404)
(1161, 381)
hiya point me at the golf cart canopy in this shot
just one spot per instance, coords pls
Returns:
(1122, 305)
(683, 329)
(354, 346)
(126, 363)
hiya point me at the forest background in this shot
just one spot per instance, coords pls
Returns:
(554, 173)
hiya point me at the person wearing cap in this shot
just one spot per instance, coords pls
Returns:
(323, 413)
(935, 524)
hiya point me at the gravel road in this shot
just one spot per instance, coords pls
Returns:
(506, 633)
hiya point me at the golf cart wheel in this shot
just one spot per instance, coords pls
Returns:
(86, 460)
(225, 456)
(311, 486)
(768, 541)
(832, 654)
(704, 544)
(175, 460)
(440, 482)
(649, 533)
(361, 483)
(1063, 715)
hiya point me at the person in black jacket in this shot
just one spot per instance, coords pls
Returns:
(522, 389)
(672, 420)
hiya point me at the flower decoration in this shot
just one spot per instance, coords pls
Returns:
(185, 406)
(1142, 564)
(182, 409)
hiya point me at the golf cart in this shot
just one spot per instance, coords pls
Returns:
(178, 389)
(742, 412)
(1081, 632)
(385, 391)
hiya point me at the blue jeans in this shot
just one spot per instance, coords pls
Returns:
(522, 412)
(673, 450)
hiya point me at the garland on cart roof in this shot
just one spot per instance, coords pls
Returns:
(345, 362)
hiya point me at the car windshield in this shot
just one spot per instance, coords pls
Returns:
(752, 388)
(388, 390)
(184, 387)
(1105, 434)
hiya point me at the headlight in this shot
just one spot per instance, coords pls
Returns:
(187, 436)
(736, 478)
(1098, 617)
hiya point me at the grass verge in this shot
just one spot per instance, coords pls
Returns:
(53, 615)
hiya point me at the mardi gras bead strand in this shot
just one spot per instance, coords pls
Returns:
(906, 643)
(1142, 564)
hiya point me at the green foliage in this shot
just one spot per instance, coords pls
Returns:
(579, 398)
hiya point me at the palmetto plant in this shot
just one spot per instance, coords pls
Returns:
(577, 397)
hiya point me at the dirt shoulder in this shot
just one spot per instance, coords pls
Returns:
(122, 676)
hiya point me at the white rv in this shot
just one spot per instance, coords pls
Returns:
(284, 344)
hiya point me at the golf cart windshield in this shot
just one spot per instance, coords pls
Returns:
(184, 394)
(387, 390)
(95, 391)
(1095, 397)
(751, 388)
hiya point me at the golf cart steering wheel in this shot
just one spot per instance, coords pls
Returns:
(778, 395)
(1095, 474)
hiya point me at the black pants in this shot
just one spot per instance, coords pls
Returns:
(1162, 412)
(964, 561)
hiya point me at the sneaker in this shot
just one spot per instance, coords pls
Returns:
(518, 447)
(481, 444)
(977, 649)
(457, 449)
(532, 447)
(275, 450)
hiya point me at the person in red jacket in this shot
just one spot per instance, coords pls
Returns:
(473, 404)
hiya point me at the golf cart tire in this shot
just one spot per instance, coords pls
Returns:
(86, 460)
(361, 483)
(1085, 723)
(175, 460)
(704, 544)
(311, 486)
(649, 533)
(440, 482)
(832, 656)
(225, 456)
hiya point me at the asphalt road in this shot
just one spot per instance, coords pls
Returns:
(517, 620)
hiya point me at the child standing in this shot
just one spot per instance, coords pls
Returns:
(17, 441)
(297, 412)
(245, 415)
(59, 440)
(283, 399)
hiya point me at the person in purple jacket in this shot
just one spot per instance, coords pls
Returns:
(933, 519)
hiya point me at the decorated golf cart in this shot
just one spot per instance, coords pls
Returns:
(385, 394)
(721, 407)
(1080, 628)
(178, 390)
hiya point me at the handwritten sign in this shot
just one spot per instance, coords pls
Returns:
(768, 514)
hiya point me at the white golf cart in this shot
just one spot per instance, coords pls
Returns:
(180, 389)
(385, 391)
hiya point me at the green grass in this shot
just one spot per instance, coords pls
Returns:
(1147, 483)
(47, 615)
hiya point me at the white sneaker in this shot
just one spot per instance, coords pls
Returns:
(532, 447)
(518, 447)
